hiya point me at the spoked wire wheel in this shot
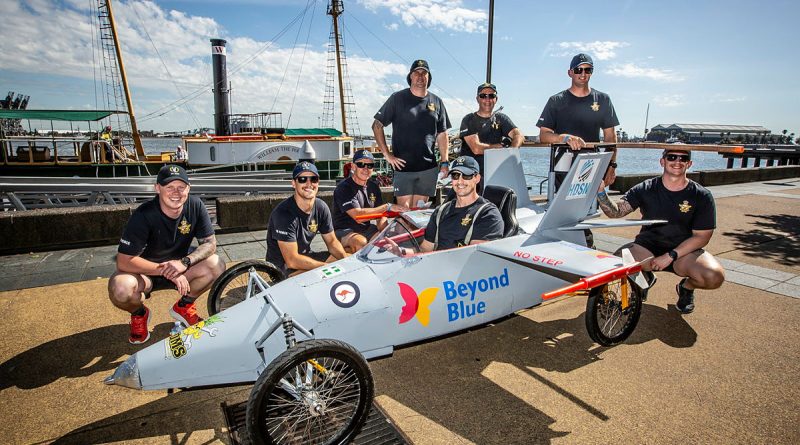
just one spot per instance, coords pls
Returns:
(612, 311)
(318, 392)
(230, 288)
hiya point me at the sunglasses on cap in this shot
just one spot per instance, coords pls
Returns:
(459, 175)
(487, 95)
(304, 179)
(365, 165)
(587, 70)
(673, 157)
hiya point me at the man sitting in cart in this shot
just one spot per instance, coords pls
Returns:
(154, 253)
(359, 195)
(469, 218)
(295, 222)
(676, 246)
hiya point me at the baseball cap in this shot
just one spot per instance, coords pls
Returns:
(304, 166)
(487, 85)
(169, 173)
(580, 59)
(466, 164)
(363, 154)
(419, 64)
(677, 150)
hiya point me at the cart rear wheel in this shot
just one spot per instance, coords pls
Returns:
(319, 391)
(612, 311)
(230, 288)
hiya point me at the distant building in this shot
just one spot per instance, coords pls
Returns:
(708, 133)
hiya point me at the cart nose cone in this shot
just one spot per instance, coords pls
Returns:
(126, 374)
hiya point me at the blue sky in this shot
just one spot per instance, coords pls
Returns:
(716, 62)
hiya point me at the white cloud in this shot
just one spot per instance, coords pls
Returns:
(670, 100)
(631, 71)
(597, 49)
(392, 26)
(183, 43)
(440, 14)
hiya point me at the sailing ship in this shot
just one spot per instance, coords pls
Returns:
(118, 152)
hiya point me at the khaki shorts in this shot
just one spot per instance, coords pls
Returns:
(415, 183)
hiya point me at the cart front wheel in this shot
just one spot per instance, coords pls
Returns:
(319, 391)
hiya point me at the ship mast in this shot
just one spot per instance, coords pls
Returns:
(335, 10)
(137, 141)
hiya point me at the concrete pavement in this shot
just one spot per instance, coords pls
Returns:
(726, 373)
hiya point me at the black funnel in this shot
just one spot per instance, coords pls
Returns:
(221, 106)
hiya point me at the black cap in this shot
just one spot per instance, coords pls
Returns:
(486, 85)
(169, 173)
(363, 154)
(466, 164)
(420, 64)
(304, 166)
(580, 59)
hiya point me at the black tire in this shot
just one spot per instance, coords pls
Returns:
(333, 403)
(606, 321)
(231, 286)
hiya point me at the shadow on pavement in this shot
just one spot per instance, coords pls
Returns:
(74, 356)
(774, 238)
(445, 382)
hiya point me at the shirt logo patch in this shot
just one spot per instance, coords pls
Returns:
(466, 220)
(595, 107)
(685, 206)
(312, 226)
(184, 227)
(372, 197)
(431, 107)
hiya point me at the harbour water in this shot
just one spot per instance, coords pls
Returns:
(536, 159)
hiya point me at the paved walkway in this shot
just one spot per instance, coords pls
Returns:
(726, 373)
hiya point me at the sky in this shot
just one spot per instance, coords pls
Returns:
(715, 62)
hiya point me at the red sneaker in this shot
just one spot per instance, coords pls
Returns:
(185, 314)
(139, 331)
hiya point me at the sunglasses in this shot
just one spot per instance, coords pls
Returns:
(365, 165)
(672, 158)
(587, 70)
(304, 179)
(458, 175)
(487, 95)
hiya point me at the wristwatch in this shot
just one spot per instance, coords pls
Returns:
(566, 139)
(673, 254)
(444, 164)
(186, 261)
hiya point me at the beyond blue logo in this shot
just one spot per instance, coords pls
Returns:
(466, 293)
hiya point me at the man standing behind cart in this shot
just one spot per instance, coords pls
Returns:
(295, 222)
(485, 129)
(420, 122)
(154, 253)
(359, 195)
(576, 115)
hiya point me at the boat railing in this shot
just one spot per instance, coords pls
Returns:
(41, 150)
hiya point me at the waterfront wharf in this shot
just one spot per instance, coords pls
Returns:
(772, 154)
(726, 373)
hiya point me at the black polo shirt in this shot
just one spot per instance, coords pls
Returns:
(349, 195)
(288, 223)
(579, 116)
(154, 236)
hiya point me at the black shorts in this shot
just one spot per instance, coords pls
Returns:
(658, 250)
(319, 256)
(368, 233)
(159, 283)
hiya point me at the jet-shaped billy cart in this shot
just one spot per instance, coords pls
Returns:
(305, 340)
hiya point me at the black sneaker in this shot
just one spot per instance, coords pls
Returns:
(685, 304)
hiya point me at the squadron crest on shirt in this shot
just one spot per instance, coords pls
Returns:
(312, 225)
(466, 220)
(184, 227)
(685, 206)
(431, 107)
(372, 197)
(595, 106)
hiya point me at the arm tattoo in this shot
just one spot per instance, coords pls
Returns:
(612, 210)
(207, 247)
